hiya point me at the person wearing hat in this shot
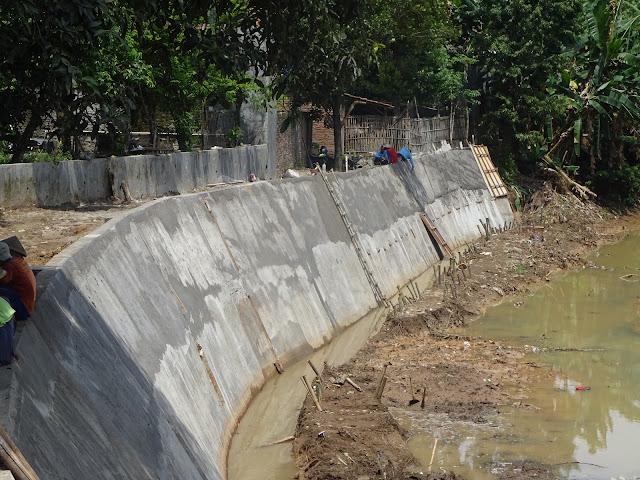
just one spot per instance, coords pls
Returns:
(18, 278)
(7, 328)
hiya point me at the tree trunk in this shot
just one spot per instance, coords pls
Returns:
(23, 140)
(338, 131)
(452, 120)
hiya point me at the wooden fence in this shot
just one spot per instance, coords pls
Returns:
(365, 133)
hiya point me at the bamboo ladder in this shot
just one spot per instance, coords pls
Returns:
(377, 292)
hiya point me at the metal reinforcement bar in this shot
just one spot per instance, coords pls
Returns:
(380, 298)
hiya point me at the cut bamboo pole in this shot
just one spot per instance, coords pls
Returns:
(13, 458)
(353, 384)
(433, 453)
(382, 377)
(290, 438)
(315, 370)
(313, 396)
(384, 383)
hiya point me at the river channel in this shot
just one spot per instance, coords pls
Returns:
(583, 326)
(274, 412)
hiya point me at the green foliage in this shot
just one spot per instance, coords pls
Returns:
(45, 46)
(234, 136)
(37, 157)
(621, 186)
(95, 65)
(415, 56)
(505, 161)
(184, 125)
(518, 44)
(522, 195)
(601, 92)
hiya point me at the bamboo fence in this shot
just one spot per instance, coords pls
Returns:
(365, 133)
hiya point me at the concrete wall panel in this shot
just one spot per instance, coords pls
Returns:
(157, 328)
(147, 176)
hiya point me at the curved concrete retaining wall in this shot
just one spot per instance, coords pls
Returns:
(156, 330)
(147, 176)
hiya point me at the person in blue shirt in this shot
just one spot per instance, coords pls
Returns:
(387, 155)
(405, 154)
(381, 157)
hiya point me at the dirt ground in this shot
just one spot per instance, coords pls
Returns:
(46, 232)
(466, 378)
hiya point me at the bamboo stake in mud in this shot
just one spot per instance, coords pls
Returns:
(439, 273)
(313, 396)
(417, 290)
(384, 372)
(424, 394)
(453, 289)
(384, 383)
(433, 453)
(412, 294)
(401, 301)
(315, 370)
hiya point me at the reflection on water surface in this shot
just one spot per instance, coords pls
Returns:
(593, 316)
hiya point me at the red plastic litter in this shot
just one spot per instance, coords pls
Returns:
(580, 387)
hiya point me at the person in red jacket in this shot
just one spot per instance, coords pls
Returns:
(18, 277)
(391, 154)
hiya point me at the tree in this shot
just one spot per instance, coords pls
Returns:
(602, 90)
(518, 44)
(77, 63)
(316, 50)
(416, 56)
(45, 45)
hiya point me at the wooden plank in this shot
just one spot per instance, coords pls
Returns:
(436, 234)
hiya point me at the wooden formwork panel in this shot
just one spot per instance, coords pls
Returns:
(436, 234)
(489, 171)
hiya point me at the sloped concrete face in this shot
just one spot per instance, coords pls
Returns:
(152, 336)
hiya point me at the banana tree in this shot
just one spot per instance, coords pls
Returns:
(602, 92)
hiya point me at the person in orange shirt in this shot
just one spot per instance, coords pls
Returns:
(18, 277)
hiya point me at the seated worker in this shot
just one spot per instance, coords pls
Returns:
(386, 155)
(379, 157)
(326, 158)
(19, 278)
(405, 154)
(7, 328)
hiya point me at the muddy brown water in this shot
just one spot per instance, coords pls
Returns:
(584, 327)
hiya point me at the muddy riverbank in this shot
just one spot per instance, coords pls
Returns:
(464, 379)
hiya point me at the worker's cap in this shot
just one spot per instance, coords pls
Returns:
(5, 254)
